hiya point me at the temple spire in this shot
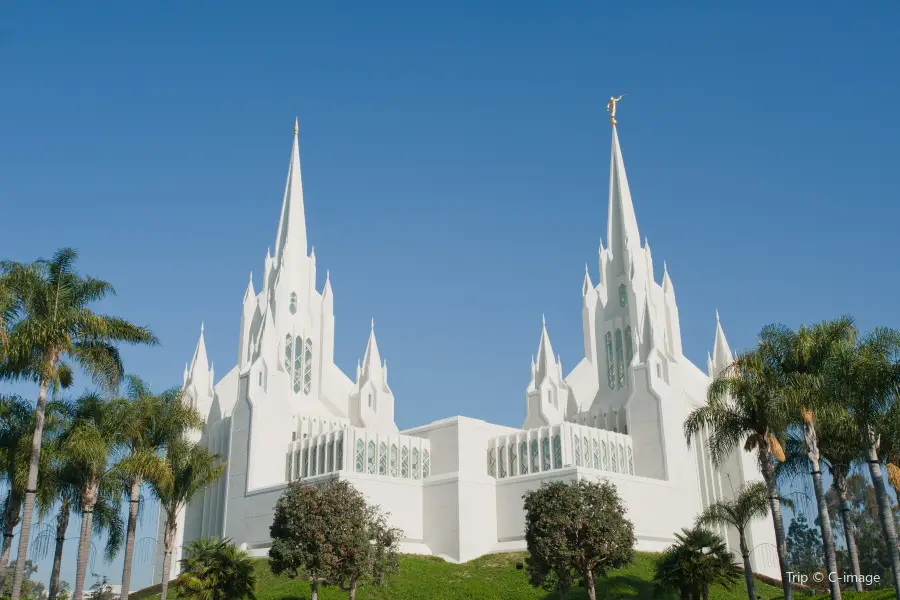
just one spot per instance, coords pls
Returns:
(292, 225)
(721, 354)
(622, 224)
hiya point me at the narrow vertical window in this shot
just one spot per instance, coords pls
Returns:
(298, 364)
(404, 462)
(535, 459)
(370, 400)
(393, 460)
(415, 463)
(322, 452)
(620, 359)
(307, 369)
(586, 445)
(330, 458)
(426, 464)
(577, 451)
(610, 368)
(621, 458)
(305, 467)
(288, 352)
(623, 295)
(339, 459)
(371, 458)
(545, 450)
(492, 463)
(502, 463)
(512, 459)
(604, 455)
(557, 451)
(523, 452)
(629, 345)
(360, 456)
(630, 462)
(382, 459)
(613, 458)
(597, 464)
(293, 305)
(312, 460)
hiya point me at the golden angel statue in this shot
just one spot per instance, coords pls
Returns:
(611, 107)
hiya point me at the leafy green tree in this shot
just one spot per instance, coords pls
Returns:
(151, 421)
(53, 321)
(366, 544)
(745, 409)
(866, 375)
(696, 561)
(189, 469)
(30, 587)
(804, 546)
(750, 502)
(215, 569)
(576, 530)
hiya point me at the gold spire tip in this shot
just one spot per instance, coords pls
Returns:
(611, 107)
(296, 125)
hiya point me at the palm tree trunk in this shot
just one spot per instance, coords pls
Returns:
(827, 537)
(589, 583)
(84, 551)
(748, 570)
(31, 490)
(10, 520)
(768, 473)
(885, 515)
(168, 540)
(839, 476)
(164, 591)
(62, 524)
(133, 504)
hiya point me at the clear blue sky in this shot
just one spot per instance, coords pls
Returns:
(455, 166)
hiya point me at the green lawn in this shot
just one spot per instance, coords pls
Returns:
(492, 577)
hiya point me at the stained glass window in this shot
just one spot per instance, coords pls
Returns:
(293, 306)
(288, 352)
(610, 368)
(629, 345)
(557, 451)
(371, 458)
(523, 452)
(501, 452)
(307, 369)
(545, 454)
(426, 464)
(586, 445)
(597, 463)
(360, 456)
(535, 465)
(393, 460)
(298, 364)
(620, 359)
(512, 459)
(382, 459)
(415, 463)
(623, 295)
(492, 463)
(404, 462)
(577, 451)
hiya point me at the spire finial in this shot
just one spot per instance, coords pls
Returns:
(201, 327)
(296, 125)
(717, 315)
(373, 324)
(543, 320)
(327, 274)
(611, 107)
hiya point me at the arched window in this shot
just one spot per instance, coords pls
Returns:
(597, 464)
(339, 458)
(523, 452)
(382, 459)
(512, 459)
(393, 460)
(629, 345)
(577, 451)
(330, 458)
(535, 459)
(610, 368)
(545, 450)
(557, 452)
(501, 452)
(288, 352)
(404, 462)
(492, 463)
(620, 359)
(426, 464)
(371, 458)
(370, 400)
(259, 379)
(415, 463)
(293, 305)
(298, 364)
(586, 446)
(307, 369)
(360, 456)
(312, 460)
(623, 295)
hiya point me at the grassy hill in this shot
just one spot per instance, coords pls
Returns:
(492, 577)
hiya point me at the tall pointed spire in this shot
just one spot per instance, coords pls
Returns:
(721, 354)
(292, 225)
(545, 350)
(621, 222)
(372, 358)
(199, 359)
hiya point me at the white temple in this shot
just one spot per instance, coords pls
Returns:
(286, 413)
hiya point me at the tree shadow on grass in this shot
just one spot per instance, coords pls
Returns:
(616, 587)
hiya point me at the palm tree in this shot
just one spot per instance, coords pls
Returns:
(214, 569)
(697, 560)
(152, 421)
(16, 428)
(7, 310)
(800, 358)
(190, 468)
(745, 409)
(55, 322)
(866, 375)
(750, 502)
